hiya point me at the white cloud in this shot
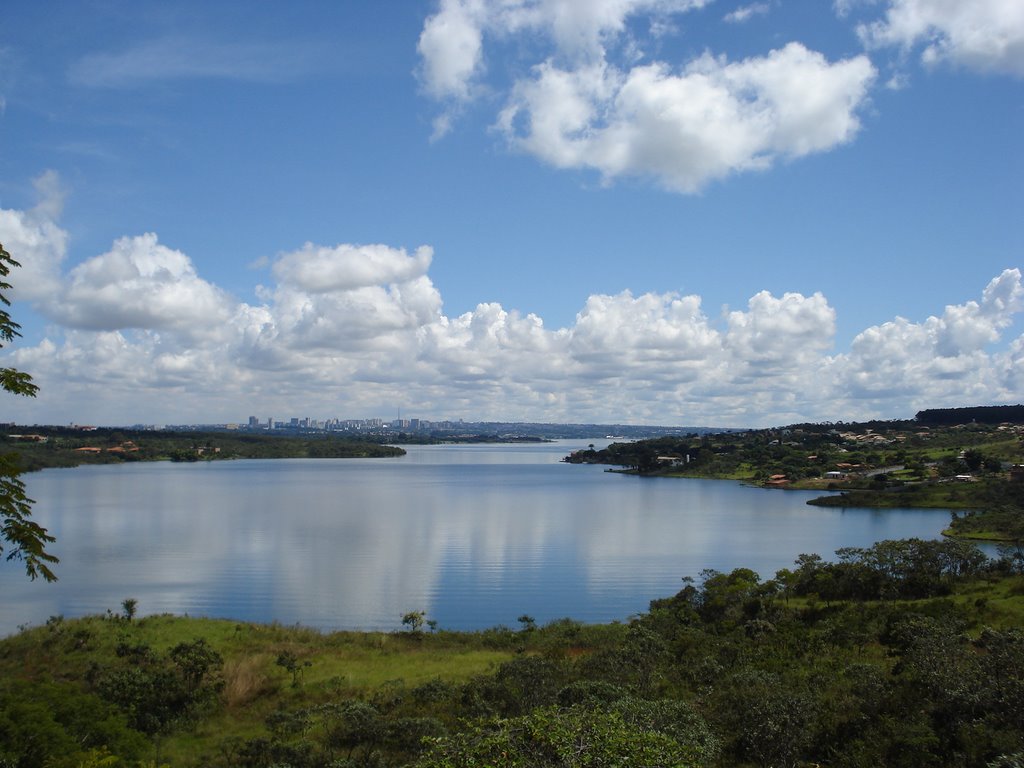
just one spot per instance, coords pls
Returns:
(781, 335)
(351, 331)
(451, 45)
(350, 297)
(747, 12)
(843, 8)
(139, 283)
(615, 335)
(943, 360)
(36, 242)
(983, 35)
(581, 30)
(594, 101)
(710, 120)
(451, 48)
(322, 270)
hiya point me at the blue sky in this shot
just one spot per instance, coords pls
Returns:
(653, 211)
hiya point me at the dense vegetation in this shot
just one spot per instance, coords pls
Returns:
(907, 653)
(42, 447)
(982, 414)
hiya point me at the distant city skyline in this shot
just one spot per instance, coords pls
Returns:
(622, 211)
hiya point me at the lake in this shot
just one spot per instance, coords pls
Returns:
(475, 535)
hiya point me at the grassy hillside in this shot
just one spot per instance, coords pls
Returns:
(903, 654)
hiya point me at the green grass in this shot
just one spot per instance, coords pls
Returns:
(387, 668)
(982, 535)
(341, 664)
(998, 604)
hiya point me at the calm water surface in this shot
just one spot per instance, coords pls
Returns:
(473, 535)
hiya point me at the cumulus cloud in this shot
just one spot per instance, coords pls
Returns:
(617, 334)
(983, 35)
(139, 283)
(685, 129)
(451, 48)
(451, 45)
(351, 297)
(595, 102)
(322, 270)
(781, 334)
(352, 330)
(35, 241)
(944, 359)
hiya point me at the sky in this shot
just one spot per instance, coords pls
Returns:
(671, 212)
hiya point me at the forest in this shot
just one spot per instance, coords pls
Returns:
(906, 653)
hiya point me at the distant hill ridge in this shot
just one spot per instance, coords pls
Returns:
(981, 414)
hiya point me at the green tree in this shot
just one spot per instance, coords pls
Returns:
(414, 621)
(161, 692)
(549, 737)
(129, 606)
(290, 663)
(56, 725)
(26, 539)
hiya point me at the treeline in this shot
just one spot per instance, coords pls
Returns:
(796, 452)
(982, 414)
(69, 448)
(905, 654)
(803, 451)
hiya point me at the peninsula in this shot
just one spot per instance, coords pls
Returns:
(45, 447)
(969, 459)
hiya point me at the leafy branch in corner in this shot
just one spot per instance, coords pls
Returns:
(25, 538)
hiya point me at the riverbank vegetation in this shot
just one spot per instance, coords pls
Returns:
(908, 653)
(932, 461)
(43, 447)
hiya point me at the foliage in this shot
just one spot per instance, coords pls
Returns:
(51, 724)
(291, 664)
(26, 540)
(414, 621)
(159, 692)
(11, 380)
(1002, 518)
(550, 737)
(129, 607)
(907, 569)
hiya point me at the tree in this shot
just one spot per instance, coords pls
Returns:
(414, 621)
(26, 540)
(130, 606)
(290, 663)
